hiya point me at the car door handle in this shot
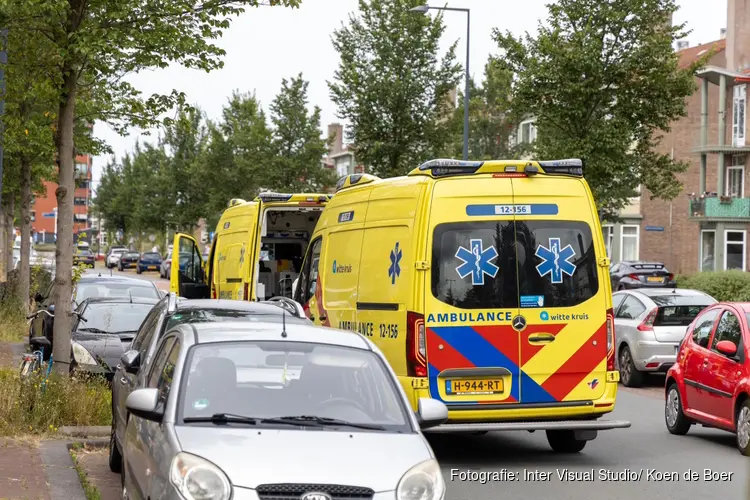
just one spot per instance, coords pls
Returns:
(705, 363)
(541, 338)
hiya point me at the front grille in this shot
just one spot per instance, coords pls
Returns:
(291, 491)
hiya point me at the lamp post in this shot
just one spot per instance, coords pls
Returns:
(423, 9)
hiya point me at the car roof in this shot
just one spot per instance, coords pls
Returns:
(121, 300)
(92, 278)
(229, 305)
(240, 331)
(656, 292)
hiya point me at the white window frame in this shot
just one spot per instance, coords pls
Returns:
(609, 241)
(532, 131)
(637, 237)
(744, 246)
(700, 250)
(739, 101)
(741, 168)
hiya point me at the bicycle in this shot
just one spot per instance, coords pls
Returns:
(34, 361)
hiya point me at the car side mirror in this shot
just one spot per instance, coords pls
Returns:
(431, 413)
(144, 403)
(131, 361)
(38, 298)
(727, 348)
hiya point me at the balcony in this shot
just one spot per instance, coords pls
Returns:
(717, 210)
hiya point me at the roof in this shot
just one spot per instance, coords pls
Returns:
(693, 54)
(239, 331)
(121, 300)
(655, 292)
(99, 278)
(229, 305)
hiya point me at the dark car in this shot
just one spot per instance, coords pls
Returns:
(132, 371)
(89, 285)
(148, 261)
(129, 259)
(640, 274)
(103, 329)
(84, 258)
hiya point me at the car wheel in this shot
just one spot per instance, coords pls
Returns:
(677, 422)
(564, 441)
(743, 428)
(629, 374)
(115, 457)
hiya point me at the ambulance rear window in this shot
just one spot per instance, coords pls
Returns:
(502, 264)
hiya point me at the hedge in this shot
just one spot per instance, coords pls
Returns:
(723, 286)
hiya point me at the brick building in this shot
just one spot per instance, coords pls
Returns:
(705, 227)
(44, 209)
(340, 157)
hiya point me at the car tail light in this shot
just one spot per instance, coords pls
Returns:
(416, 345)
(246, 292)
(634, 277)
(648, 323)
(610, 340)
(670, 277)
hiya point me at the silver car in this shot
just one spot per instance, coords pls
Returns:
(650, 323)
(267, 411)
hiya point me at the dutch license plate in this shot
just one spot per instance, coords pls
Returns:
(655, 279)
(474, 386)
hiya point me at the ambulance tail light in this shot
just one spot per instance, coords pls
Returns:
(416, 345)
(246, 292)
(610, 340)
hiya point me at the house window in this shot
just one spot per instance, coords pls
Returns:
(82, 169)
(739, 109)
(342, 168)
(33, 216)
(79, 201)
(608, 232)
(707, 250)
(735, 182)
(527, 132)
(629, 243)
(734, 250)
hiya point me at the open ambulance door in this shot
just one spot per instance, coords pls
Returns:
(187, 275)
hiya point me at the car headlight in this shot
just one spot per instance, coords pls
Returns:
(198, 479)
(81, 355)
(424, 481)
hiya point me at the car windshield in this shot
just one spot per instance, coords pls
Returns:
(151, 255)
(215, 315)
(284, 379)
(103, 289)
(113, 318)
(83, 252)
(132, 255)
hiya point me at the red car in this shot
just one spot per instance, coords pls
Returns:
(710, 382)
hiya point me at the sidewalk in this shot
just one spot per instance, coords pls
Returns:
(22, 473)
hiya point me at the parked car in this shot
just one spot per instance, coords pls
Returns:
(127, 260)
(185, 259)
(227, 398)
(170, 312)
(165, 265)
(649, 325)
(710, 383)
(113, 256)
(90, 285)
(148, 261)
(84, 257)
(640, 274)
(103, 329)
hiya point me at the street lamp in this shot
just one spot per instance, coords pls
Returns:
(423, 9)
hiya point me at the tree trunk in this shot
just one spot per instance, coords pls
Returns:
(3, 245)
(9, 211)
(24, 276)
(64, 250)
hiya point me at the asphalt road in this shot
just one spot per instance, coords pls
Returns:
(500, 466)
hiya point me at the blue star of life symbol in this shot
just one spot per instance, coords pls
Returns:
(395, 270)
(555, 261)
(477, 262)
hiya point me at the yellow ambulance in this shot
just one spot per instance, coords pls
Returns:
(256, 253)
(485, 284)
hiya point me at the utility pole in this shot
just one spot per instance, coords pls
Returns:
(3, 63)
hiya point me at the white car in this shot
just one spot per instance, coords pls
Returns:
(113, 257)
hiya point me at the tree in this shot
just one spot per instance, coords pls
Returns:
(602, 80)
(490, 121)
(297, 142)
(391, 85)
(98, 43)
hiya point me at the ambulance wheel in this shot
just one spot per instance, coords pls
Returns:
(564, 441)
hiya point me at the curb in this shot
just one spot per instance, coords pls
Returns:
(85, 431)
(62, 477)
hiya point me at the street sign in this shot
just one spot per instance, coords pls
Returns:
(655, 228)
(48, 215)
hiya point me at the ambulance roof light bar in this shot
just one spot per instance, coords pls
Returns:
(270, 196)
(443, 167)
(571, 166)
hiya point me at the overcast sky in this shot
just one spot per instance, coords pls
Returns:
(270, 43)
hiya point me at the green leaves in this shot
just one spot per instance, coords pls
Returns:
(603, 82)
(391, 85)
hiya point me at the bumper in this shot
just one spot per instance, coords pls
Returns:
(557, 415)
(654, 356)
(93, 371)
(239, 493)
(149, 267)
(127, 265)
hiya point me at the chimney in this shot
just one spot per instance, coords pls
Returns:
(336, 130)
(723, 33)
(682, 45)
(738, 34)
